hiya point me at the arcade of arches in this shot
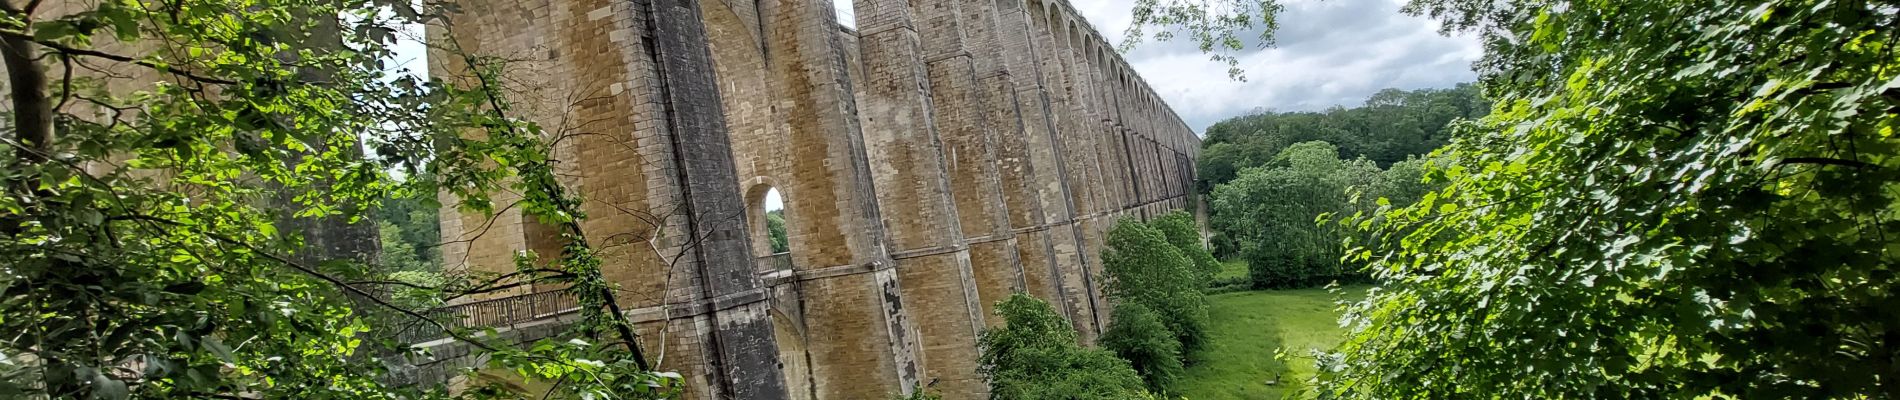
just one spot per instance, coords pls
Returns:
(933, 156)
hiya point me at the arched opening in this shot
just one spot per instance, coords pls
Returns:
(775, 223)
(792, 359)
(770, 227)
(846, 12)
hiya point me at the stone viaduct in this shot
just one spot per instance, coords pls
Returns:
(934, 156)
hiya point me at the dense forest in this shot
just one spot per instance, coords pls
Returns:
(1392, 126)
(1271, 176)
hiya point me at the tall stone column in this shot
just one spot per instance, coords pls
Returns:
(1034, 187)
(855, 316)
(328, 237)
(908, 159)
(965, 111)
(744, 355)
(1068, 238)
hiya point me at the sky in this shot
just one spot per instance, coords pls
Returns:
(1329, 53)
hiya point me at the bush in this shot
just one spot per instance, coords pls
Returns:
(1137, 335)
(1613, 233)
(1229, 284)
(1182, 232)
(1035, 356)
(1281, 218)
(1143, 268)
(1279, 270)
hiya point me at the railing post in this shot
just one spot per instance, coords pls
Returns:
(494, 313)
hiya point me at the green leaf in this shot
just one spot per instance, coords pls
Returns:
(217, 348)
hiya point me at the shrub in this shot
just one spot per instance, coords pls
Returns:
(1180, 229)
(1035, 356)
(1143, 268)
(1137, 335)
(1274, 214)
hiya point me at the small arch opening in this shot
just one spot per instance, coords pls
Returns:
(775, 234)
(846, 12)
(771, 227)
(794, 362)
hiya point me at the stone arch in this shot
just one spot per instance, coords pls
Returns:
(757, 193)
(793, 360)
(846, 12)
(745, 92)
(1073, 42)
(1039, 17)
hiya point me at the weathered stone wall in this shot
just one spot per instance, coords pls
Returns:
(940, 156)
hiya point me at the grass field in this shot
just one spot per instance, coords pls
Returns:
(1246, 328)
(1231, 269)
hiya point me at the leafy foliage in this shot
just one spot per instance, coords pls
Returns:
(1275, 217)
(1269, 214)
(1143, 268)
(416, 291)
(142, 210)
(1035, 356)
(411, 233)
(1136, 334)
(1216, 26)
(1392, 126)
(1405, 182)
(1683, 199)
(1183, 232)
(775, 231)
(397, 253)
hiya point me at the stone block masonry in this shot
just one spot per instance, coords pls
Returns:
(938, 157)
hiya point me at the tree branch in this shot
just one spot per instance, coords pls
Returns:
(12, 36)
(1828, 161)
(339, 283)
(573, 229)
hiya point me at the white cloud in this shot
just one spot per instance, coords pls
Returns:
(1330, 53)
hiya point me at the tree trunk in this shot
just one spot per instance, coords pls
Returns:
(26, 79)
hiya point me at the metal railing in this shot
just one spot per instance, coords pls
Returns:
(492, 313)
(775, 262)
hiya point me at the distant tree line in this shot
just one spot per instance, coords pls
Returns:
(411, 233)
(1392, 126)
(1279, 182)
(1282, 217)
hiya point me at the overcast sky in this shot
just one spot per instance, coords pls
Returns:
(1330, 52)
